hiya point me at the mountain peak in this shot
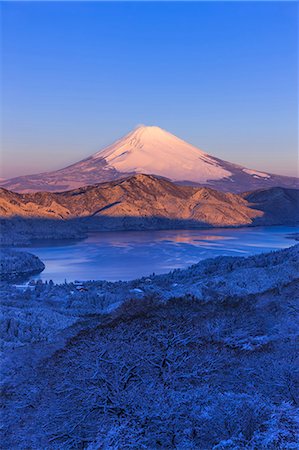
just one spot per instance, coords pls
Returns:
(151, 150)
(143, 133)
(149, 128)
(152, 132)
(146, 132)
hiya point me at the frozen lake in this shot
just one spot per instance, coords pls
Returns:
(131, 254)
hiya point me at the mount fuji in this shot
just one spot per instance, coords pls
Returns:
(151, 150)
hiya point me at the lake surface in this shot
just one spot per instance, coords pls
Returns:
(131, 254)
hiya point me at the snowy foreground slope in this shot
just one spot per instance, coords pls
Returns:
(154, 151)
(202, 358)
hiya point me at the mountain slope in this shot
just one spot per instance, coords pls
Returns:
(151, 150)
(276, 203)
(146, 200)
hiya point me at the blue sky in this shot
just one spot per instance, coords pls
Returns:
(221, 75)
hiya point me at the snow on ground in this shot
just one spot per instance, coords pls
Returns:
(202, 358)
(256, 173)
(210, 280)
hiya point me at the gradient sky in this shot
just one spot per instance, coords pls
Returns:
(76, 76)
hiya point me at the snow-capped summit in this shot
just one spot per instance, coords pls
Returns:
(153, 151)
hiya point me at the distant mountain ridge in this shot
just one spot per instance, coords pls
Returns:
(146, 200)
(153, 151)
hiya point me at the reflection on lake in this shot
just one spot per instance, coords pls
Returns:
(131, 254)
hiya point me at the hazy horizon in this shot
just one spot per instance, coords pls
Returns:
(222, 76)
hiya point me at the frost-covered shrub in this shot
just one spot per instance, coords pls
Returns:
(135, 307)
(20, 326)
